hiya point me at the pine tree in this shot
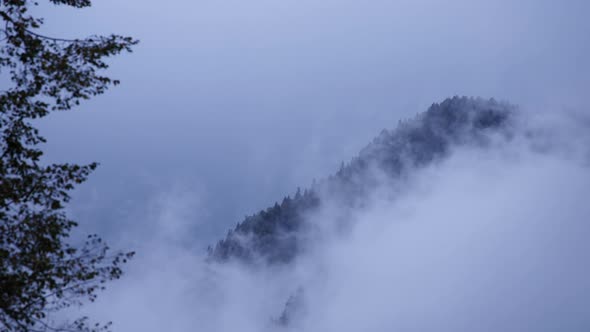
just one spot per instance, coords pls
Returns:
(40, 271)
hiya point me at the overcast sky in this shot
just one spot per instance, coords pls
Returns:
(228, 105)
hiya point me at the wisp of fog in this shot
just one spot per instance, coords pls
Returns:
(492, 237)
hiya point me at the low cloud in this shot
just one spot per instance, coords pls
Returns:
(489, 239)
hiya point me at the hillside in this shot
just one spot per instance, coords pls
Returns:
(274, 235)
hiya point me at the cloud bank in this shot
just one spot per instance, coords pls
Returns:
(488, 239)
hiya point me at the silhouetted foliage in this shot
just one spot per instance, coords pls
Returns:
(40, 271)
(292, 309)
(274, 235)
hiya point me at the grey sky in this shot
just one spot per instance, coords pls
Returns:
(226, 106)
(235, 103)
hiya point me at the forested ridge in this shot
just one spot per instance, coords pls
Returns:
(274, 235)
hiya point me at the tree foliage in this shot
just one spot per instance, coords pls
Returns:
(274, 235)
(41, 272)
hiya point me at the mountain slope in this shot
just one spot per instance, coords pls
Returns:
(274, 235)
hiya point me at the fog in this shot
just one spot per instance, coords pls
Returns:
(227, 106)
(246, 100)
(489, 239)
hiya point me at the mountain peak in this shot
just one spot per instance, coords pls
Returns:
(273, 235)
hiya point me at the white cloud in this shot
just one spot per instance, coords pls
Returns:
(488, 240)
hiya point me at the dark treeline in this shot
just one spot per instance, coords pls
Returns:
(274, 235)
